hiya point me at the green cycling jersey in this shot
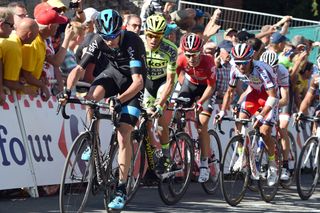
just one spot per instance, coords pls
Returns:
(161, 60)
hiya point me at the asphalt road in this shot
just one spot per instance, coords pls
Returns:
(195, 200)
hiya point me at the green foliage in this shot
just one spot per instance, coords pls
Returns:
(315, 8)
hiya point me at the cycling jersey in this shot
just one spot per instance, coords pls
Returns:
(282, 76)
(161, 60)
(203, 74)
(261, 77)
(127, 59)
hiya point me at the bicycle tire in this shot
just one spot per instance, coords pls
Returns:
(233, 193)
(214, 163)
(269, 192)
(137, 165)
(79, 171)
(172, 189)
(307, 176)
(292, 158)
(112, 174)
(252, 184)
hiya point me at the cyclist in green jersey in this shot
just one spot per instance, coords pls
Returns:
(161, 56)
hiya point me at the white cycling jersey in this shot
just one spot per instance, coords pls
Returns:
(262, 77)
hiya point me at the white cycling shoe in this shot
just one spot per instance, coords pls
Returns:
(204, 175)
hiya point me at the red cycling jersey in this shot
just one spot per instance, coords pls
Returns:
(202, 74)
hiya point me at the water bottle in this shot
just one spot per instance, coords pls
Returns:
(260, 145)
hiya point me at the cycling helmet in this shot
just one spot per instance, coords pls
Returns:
(156, 24)
(270, 57)
(109, 23)
(191, 42)
(242, 52)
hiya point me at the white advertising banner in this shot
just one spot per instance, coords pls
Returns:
(14, 168)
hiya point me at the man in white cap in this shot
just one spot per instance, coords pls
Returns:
(90, 14)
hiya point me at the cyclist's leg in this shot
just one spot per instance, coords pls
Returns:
(283, 130)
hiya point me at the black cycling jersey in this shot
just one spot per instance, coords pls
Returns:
(128, 59)
(101, 61)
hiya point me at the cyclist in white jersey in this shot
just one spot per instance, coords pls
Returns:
(262, 82)
(271, 58)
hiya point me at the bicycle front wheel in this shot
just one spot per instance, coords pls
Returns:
(174, 183)
(308, 169)
(267, 191)
(77, 176)
(235, 171)
(137, 165)
(214, 163)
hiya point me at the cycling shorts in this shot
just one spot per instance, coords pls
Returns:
(115, 83)
(255, 100)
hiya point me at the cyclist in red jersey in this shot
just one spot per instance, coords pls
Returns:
(199, 81)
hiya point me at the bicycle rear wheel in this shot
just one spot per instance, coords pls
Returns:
(214, 163)
(137, 165)
(269, 192)
(174, 183)
(308, 169)
(77, 176)
(292, 161)
(234, 181)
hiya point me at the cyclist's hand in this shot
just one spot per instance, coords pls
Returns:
(158, 111)
(258, 122)
(219, 116)
(64, 96)
(236, 109)
(115, 104)
(199, 106)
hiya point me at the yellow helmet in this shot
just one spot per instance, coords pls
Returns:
(156, 24)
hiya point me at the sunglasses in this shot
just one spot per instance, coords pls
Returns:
(150, 35)
(238, 63)
(8, 23)
(22, 15)
(110, 37)
(194, 54)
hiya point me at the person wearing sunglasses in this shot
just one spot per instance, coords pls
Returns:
(199, 82)
(121, 81)
(161, 65)
(263, 93)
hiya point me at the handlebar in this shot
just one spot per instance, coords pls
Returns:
(92, 104)
(243, 121)
(303, 117)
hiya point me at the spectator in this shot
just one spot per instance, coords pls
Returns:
(268, 30)
(243, 36)
(185, 19)
(70, 61)
(200, 17)
(34, 54)
(76, 13)
(134, 23)
(90, 14)
(26, 32)
(19, 10)
(6, 27)
(277, 42)
(171, 33)
(231, 35)
(257, 46)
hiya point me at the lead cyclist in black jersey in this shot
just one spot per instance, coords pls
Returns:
(122, 80)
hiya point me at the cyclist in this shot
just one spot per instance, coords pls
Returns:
(161, 70)
(263, 93)
(311, 94)
(199, 81)
(271, 58)
(121, 80)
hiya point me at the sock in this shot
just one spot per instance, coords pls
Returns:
(122, 186)
(204, 162)
(166, 150)
(272, 157)
(285, 164)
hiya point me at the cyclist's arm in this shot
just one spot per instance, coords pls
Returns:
(284, 91)
(167, 88)
(309, 97)
(271, 101)
(134, 88)
(74, 76)
(227, 98)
